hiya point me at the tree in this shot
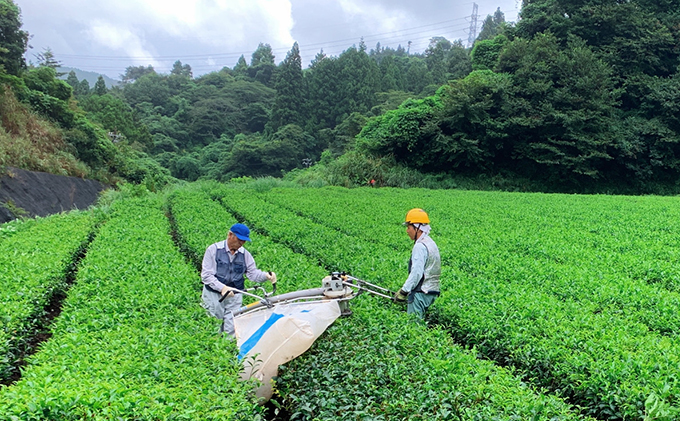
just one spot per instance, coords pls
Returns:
(436, 58)
(13, 41)
(72, 79)
(561, 107)
(185, 167)
(82, 89)
(132, 73)
(409, 134)
(492, 26)
(391, 77)
(417, 77)
(47, 59)
(262, 65)
(181, 70)
(217, 79)
(100, 86)
(358, 80)
(151, 87)
(484, 54)
(116, 116)
(459, 64)
(322, 83)
(43, 79)
(289, 104)
(281, 152)
(636, 36)
(241, 68)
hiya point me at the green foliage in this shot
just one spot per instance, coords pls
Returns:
(471, 122)
(100, 86)
(262, 68)
(485, 54)
(550, 112)
(289, 103)
(82, 89)
(178, 69)
(132, 73)
(400, 367)
(44, 79)
(634, 37)
(150, 87)
(30, 142)
(566, 289)
(33, 268)
(562, 104)
(259, 156)
(47, 59)
(186, 168)
(124, 350)
(72, 79)
(241, 68)
(13, 40)
(409, 133)
(492, 25)
(116, 116)
(90, 142)
(417, 76)
(137, 167)
(322, 82)
(358, 81)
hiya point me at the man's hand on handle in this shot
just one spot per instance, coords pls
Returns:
(228, 291)
(400, 296)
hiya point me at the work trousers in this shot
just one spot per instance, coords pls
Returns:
(420, 304)
(222, 310)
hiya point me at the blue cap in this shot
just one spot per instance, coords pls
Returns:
(241, 232)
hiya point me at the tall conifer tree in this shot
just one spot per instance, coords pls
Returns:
(100, 86)
(290, 93)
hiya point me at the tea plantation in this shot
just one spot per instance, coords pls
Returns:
(553, 307)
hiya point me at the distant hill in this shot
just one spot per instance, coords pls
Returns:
(90, 76)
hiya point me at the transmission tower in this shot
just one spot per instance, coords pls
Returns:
(473, 26)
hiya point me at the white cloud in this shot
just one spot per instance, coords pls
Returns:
(391, 18)
(120, 39)
(217, 23)
(108, 36)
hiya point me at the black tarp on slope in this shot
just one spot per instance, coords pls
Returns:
(42, 194)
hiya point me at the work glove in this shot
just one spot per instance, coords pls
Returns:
(271, 276)
(400, 296)
(228, 291)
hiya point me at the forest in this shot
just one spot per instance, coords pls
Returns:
(577, 96)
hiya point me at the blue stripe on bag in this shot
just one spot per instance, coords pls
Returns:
(255, 337)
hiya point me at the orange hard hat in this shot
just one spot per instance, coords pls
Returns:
(417, 216)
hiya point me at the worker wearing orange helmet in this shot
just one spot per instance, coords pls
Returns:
(424, 268)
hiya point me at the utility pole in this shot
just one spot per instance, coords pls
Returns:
(473, 26)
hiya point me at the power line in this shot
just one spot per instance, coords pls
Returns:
(238, 54)
(414, 37)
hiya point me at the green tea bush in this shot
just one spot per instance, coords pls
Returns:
(378, 364)
(34, 265)
(559, 287)
(132, 341)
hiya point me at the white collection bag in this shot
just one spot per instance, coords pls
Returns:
(274, 336)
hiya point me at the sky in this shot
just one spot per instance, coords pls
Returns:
(107, 36)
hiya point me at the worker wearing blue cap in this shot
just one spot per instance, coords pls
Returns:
(225, 264)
